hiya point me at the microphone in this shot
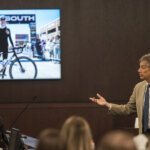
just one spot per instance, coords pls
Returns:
(23, 110)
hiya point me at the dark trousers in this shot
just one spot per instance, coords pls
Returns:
(147, 133)
(5, 52)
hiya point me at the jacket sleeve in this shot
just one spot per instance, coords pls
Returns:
(10, 39)
(126, 109)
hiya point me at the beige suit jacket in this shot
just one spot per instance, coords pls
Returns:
(135, 104)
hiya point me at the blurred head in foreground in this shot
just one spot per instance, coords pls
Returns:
(117, 140)
(49, 140)
(76, 134)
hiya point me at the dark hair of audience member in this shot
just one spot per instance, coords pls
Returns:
(76, 134)
(49, 140)
(117, 140)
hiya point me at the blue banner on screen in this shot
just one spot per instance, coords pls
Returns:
(30, 44)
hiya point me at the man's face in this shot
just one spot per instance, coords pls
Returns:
(144, 71)
(3, 23)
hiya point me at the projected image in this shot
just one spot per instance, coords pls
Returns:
(30, 44)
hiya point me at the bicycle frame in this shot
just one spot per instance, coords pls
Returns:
(10, 59)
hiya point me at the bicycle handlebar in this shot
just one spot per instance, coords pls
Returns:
(12, 50)
(20, 47)
(17, 48)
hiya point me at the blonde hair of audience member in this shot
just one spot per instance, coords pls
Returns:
(76, 134)
(117, 140)
(49, 140)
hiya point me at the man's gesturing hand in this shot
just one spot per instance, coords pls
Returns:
(100, 100)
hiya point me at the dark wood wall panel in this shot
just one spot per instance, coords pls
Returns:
(40, 116)
(101, 44)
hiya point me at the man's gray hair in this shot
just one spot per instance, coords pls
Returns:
(146, 57)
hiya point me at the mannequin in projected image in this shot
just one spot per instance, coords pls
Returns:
(4, 35)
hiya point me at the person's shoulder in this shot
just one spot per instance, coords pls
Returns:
(140, 84)
(8, 29)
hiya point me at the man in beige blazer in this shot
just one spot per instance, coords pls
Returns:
(136, 101)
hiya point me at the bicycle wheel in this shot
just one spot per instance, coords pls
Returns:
(26, 69)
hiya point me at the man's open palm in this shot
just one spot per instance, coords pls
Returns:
(99, 100)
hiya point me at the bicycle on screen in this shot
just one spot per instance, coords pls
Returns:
(20, 67)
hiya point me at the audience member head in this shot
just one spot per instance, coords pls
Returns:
(57, 37)
(117, 140)
(76, 134)
(49, 140)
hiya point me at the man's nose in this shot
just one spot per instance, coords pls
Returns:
(139, 70)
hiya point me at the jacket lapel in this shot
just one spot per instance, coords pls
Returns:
(142, 97)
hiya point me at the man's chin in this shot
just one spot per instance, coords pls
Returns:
(142, 78)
